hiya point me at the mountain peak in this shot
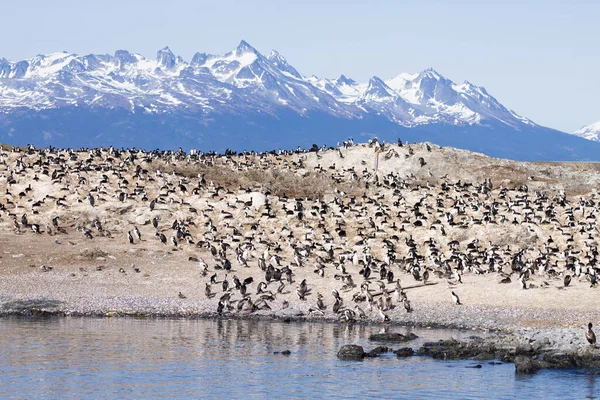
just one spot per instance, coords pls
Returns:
(590, 132)
(344, 80)
(124, 57)
(165, 57)
(431, 73)
(377, 90)
(244, 47)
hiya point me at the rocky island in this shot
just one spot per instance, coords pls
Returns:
(382, 233)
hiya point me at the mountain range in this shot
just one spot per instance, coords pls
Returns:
(245, 100)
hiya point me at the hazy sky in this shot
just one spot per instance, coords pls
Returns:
(539, 58)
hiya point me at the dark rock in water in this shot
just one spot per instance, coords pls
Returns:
(404, 352)
(525, 365)
(527, 357)
(558, 359)
(475, 366)
(283, 353)
(392, 337)
(453, 349)
(379, 350)
(351, 352)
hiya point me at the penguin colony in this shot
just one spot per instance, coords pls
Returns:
(268, 231)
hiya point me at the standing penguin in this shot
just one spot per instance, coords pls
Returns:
(590, 335)
(456, 299)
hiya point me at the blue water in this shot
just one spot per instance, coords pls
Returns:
(64, 358)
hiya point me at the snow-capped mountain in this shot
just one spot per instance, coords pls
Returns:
(590, 132)
(241, 99)
(239, 79)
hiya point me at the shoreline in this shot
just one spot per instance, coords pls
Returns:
(529, 349)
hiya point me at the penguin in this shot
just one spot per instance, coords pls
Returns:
(590, 335)
(207, 291)
(567, 280)
(456, 299)
(137, 233)
(390, 276)
(407, 305)
(162, 237)
(383, 315)
(130, 237)
(523, 282)
(225, 283)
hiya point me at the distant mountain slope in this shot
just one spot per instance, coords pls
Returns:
(244, 100)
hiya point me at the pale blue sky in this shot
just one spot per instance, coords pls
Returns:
(540, 58)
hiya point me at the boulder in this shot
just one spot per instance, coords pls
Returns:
(404, 352)
(379, 350)
(392, 337)
(351, 352)
(525, 365)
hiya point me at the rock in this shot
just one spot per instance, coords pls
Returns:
(379, 350)
(351, 352)
(524, 350)
(525, 365)
(392, 337)
(404, 352)
(283, 353)
(289, 313)
(142, 220)
(559, 359)
(541, 344)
